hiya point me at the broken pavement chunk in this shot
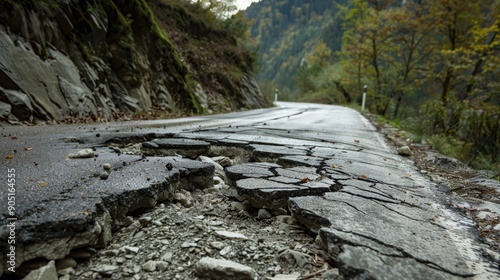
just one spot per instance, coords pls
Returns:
(173, 146)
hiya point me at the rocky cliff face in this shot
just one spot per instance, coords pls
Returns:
(96, 59)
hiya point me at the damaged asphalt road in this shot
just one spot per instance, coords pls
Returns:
(374, 213)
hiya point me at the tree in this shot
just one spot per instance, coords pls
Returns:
(321, 56)
(411, 31)
(221, 8)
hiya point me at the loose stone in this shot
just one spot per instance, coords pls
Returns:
(264, 214)
(65, 263)
(144, 221)
(217, 245)
(66, 271)
(85, 153)
(149, 266)
(230, 235)
(225, 251)
(110, 253)
(223, 269)
(106, 270)
(184, 198)
(104, 175)
(404, 151)
(130, 249)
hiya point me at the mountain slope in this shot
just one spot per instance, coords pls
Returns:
(286, 30)
(100, 59)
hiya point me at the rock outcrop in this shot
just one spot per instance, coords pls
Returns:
(99, 59)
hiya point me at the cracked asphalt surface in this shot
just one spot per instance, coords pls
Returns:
(375, 214)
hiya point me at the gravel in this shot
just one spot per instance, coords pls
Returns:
(205, 233)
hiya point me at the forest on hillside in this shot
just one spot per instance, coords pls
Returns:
(431, 66)
(285, 31)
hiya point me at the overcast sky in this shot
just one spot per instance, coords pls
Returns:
(243, 4)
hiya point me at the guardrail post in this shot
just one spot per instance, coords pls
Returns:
(363, 102)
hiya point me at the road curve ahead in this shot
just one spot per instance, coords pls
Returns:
(375, 215)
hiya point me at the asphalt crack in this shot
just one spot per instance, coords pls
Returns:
(404, 254)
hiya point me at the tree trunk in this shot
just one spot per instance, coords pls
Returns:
(344, 92)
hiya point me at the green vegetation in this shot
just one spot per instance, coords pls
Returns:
(285, 32)
(435, 58)
(213, 45)
(182, 43)
(431, 67)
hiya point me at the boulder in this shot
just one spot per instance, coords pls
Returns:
(47, 272)
(20, 104)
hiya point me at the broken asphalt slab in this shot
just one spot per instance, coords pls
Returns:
(376, 216)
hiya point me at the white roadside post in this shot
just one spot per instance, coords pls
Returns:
(364, 98)
(275, 96)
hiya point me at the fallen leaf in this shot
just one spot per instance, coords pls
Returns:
(304, 180)
(14, 137)
(28, 149)
(357, 141)
(86, 212)
(334, 166)
(363, 177)
(43, 184)
(9, 157)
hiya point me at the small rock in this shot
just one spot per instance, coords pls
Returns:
(65, 263)
(144, 221)
(110, 253)
(293, 276)
(106, 166)
(104, 175)
(149, 266)
(225, 251)
(105, 270)
(293, 257)
(129, 222)
(224, 161)
(230, 235)
(238, 206)
(264, 214)
(217, 245)
(223, 269)
(130, 249)
(188, 244)
(66, 271)
(211, 161)
(161, 266)
(184, 198)
(85, 153)
(404, 151)
(167, 257)
(136, 269)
